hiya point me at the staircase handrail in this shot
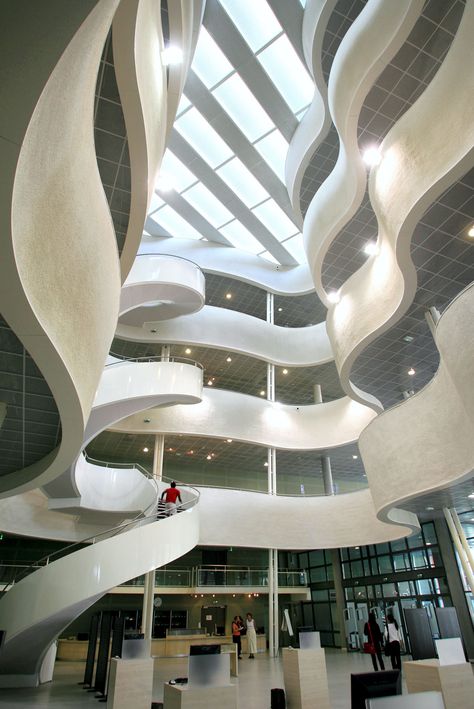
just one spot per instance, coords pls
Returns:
(141, 518)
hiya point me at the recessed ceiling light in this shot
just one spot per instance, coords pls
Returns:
(355, 457)
(262, 393)
(408, 338)
(285, 371)
(370, 248)
(170, 450)
(280, 310)
(429, 509)
(209, 457)
(372, 156)
(333, 296)
(228, 296)
(190, 452)
(471, 496)
(145, 450)
(210, 383)
(266, 464)
(172, 55)
(188, 350)
(471, 232)
(229, 440)
(229, 359)
(411, 372)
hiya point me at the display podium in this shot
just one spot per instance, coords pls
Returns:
(208, 685)
(130, 684)
(306, 683)
(455, 682)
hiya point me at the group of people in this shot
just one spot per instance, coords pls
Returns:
(389, 639)
(238, 628)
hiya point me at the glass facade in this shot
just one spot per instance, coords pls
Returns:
(407, 573)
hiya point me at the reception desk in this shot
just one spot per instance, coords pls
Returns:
(172, 646)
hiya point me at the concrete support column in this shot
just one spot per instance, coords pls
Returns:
(455, 585)
(325, 459)
(340, 598)
(158, 452)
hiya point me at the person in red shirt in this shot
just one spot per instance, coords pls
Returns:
(171, 494)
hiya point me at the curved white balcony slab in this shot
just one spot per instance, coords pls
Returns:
(141, 79)
(226, 414)
(316, 122)
(52, 207)
(237, 332)
(303, 522)
(36, 609)
(234, 263)
(420, 159)
(159, 288)
(368, 46)
(426, 443)
(108, 495)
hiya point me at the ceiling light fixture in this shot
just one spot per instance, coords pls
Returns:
(188, 350)
(408, 338)
(429, 509)
(280, 310)
(229, 359)
(471, 232)
(262, 393)
(228, 296)
(145, 450)
(209, 457)
(372, 156)
(172, 55)
(266, 464)
(209, 383)
(146, 420)
(471, 496)
(333, 296)
(285, 371)
(355, 457)
(229, 440)
(370, 248)
(411, 372)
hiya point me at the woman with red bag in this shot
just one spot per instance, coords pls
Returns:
(375, 639)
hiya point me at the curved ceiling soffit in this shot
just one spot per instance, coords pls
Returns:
(250, 419)
(232, 331)
(315, 124)
(420, 159)
(368, 46)
(234, 263)
(305, 522)
(141, 79)
(51, 195)
(439, 450)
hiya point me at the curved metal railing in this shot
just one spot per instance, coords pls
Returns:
(142, 518)
(172, 256)
(153, 358)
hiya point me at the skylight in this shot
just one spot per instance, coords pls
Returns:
(275, 219)
(209, 62)
(294, 245)
(240, 237)
(268, 257)
(254, 19)
(288, 73)
(184, 103)
(196, 130)
(208, 205)
(174, 223)
(244, 109)
(155, 203)
(273, 149)
(178, 173)
(242, 182)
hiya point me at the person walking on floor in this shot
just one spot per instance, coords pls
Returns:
(171, 494)
(251, 636)
(237, 627)
(393, 638)
(375, 637)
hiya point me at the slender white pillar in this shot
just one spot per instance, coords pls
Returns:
(325, 459)
(273, 615)
(464, 542)
(158, 452)
(271, 593)
(459, 548)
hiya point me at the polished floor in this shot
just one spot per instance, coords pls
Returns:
(256, 678)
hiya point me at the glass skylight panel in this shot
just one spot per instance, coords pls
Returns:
(254, 19)
(244, 109)
(203, 138)
(268, 257)
(295, 247)
(275, 219)
(273, 149)
(242, 182)
(180, 176)
(288, 73)
(241, 237)
(183, 104)
(209, 62)
(175, 224)
(208, 205)
(155, 203)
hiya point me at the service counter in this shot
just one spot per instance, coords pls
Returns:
(172, 646)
